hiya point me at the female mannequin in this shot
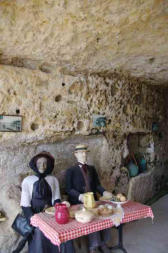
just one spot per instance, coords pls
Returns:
(38, 192)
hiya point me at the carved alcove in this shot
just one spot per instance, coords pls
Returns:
(143, 186)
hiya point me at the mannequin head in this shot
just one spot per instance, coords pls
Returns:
(81, 153)
(41, 164)
(81, 156)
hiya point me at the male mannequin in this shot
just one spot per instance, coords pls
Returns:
(83, 178)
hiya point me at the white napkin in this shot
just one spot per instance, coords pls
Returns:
(117, 216)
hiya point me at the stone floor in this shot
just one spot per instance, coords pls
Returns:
(143, 236)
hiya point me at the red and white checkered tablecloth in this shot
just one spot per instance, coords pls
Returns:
(57, 233)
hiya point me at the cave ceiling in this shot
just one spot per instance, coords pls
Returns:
(87, 36)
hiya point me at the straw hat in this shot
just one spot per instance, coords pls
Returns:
(81, 147)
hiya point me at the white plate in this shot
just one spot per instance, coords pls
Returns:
(104, 198)
(119, 202)
(50, 210)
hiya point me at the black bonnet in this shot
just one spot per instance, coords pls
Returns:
(50, 163)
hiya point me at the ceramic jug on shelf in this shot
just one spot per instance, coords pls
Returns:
(61, 213)
(89, 201)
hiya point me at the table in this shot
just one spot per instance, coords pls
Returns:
(57, 233)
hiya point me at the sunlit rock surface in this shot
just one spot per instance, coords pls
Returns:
(87, 36)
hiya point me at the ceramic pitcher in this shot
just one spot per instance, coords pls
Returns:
(61, 213)
(89, 201)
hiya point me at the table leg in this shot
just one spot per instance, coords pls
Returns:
(120, 240)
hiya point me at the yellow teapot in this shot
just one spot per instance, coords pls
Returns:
(89, 201)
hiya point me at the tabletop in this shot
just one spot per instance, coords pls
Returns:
(58, 233)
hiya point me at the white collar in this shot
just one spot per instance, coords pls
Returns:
(80, 165)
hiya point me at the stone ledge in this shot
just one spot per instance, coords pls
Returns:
(141, 187)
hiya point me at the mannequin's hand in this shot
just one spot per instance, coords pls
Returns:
(81, 198)
(66, 203)
(107, 194)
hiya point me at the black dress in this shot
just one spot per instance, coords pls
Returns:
(38, 192)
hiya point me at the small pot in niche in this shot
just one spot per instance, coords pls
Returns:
(133, 169)
(143, 165)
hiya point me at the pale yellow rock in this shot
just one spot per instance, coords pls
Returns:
(92, 36)
(56, 104)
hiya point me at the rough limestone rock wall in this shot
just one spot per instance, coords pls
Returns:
(58, 104)
(87, 35)
(57, 113)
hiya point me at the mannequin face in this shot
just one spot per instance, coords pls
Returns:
(41, 164)
(81, 156)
